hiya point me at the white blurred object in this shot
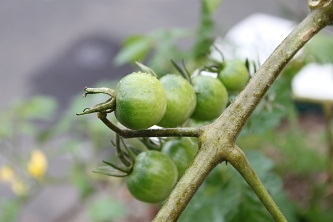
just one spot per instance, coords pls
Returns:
(314, 81)
(254, 38)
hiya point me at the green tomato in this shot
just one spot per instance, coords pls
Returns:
(153, 177)
(182, 151)
(234, 75)
(140, 101)
(212, 98)
(181, 100)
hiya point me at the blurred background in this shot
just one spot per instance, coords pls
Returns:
(52, 49)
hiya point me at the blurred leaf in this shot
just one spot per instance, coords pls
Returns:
(205, 32)
(166, 49)
(212, 5)
(38, 107)
(106, 209)
(10, 209)
(320, 47)
(135, 48)
(81, 180)
(6, 126)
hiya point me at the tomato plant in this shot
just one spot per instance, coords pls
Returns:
(212, 97)
(153, 177)
(149, 180)
(181, 100)
(140, 101)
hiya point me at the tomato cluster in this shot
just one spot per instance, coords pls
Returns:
(142, 100)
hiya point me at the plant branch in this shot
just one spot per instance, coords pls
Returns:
(240, 110)
(239, 161)
(163, 132)
(204, 162)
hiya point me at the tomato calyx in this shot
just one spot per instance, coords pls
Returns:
(124, 154)
(105, 107)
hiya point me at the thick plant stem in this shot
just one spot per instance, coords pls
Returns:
(239, 161)
(204, 162)
(240, 110)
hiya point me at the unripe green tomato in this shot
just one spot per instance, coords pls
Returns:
(181, 100)
(212, 97)
(140, 101)
(153, 177)
(234, 75)
(182, 151)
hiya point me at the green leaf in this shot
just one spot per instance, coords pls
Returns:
(320, 48)
(212, 5)
(135, 49)
(204, 34)
(106, 209)
(38, 107)
(81, 181)
(10, 209)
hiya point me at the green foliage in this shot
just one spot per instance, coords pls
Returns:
(20, 116)
(135, 48)
(225, 196)
(320, 48)
(159, 47)
(10, 209)
(81, 181)
(204, 37)
(106, 209)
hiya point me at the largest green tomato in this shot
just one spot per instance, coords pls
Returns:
(212, 98)
(140, 101)
(181, 100)
(153, 177)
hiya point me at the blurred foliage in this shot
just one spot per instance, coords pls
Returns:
(159, 47)
(10, 209)
(320, 47)
(106, 209)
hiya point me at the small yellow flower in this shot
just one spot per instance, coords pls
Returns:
(6, 174)
(37, 164)
(19, 188)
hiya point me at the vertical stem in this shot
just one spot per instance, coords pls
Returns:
(239, 161)
(328, 121)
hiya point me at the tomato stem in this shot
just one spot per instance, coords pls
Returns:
(107, 106)
(160, 132)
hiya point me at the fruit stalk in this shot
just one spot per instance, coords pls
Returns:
(163, 132)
